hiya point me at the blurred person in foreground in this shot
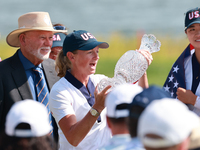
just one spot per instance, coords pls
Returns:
(27, 128)
(74, 101)
(183, 79)
(167, 124)
(116, 103)
(195, 139)
(19, 73)
(58, 39)
(136, 107)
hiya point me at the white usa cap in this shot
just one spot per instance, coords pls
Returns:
(169, 119)
(119, 98)
(31, 112)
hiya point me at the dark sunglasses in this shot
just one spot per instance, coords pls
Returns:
(59, 28)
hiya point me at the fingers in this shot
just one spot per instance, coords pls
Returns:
(180, 90)
(96, 91)
(186, 96)
(100, 98)
(107, 87)
(143, 51)
(103, 91)
(147, 55)
(181, 93)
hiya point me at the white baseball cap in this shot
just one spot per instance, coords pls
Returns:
(168, 118)
(31, 112)
(118, 99)
(195, 138)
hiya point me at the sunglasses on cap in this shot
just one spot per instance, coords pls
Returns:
(59, 28)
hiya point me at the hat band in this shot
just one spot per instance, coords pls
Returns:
(157, 143)
(121, 113)
(122, 110)
(23, 133)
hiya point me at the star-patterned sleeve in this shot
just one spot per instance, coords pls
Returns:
(176, 77)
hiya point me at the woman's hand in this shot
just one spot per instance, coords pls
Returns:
(99, 104)
(147, 55)
(186, 96)
(75, 131)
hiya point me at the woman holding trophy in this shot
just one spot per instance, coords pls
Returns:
(74, 100)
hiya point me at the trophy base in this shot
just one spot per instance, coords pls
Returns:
(108, 81)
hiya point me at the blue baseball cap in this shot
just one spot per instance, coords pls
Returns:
(81, 40)
(144, 98)
(58, 39)
(192, 16)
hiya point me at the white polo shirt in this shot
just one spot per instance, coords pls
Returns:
(65, 99)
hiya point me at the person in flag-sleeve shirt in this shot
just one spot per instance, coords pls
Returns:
(183, 79)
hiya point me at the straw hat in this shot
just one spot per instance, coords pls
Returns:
(31, 21)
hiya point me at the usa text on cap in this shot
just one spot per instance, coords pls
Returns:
(81, 40)
(192, 16)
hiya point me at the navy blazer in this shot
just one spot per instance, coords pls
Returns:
(14, 85)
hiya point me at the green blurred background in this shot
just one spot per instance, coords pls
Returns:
(157, 72)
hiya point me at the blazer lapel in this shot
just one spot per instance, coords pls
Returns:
(50, 73)
(20, 79)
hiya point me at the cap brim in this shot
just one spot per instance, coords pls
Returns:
(94, 44)
(57, 44)
(198, 21)
(13, 40)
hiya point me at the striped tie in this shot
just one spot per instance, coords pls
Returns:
(42, 90)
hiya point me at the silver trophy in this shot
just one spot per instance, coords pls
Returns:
(132, 64)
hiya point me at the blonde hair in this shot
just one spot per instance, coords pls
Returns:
(63, 64)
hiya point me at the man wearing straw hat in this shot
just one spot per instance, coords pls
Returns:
(34, 37)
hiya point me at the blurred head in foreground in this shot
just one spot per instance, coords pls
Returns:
(27, 127)
(167, 124)
(140, 102)
(117, 102)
